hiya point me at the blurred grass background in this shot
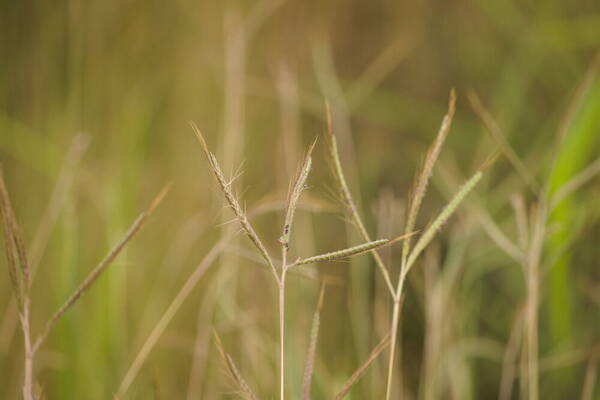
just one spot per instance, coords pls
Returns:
(95, 103)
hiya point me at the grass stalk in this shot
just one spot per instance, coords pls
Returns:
(409, 256)
(421, 244)
(282, 334)
(29, 352)
(297, 188)
(533, 265)
(280, 277)
(394, 335)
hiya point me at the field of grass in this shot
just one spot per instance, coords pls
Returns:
(285, 199)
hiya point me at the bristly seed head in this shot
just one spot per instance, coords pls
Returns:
(18, 265)
(232, 200)
(349, 252)
(294, 195)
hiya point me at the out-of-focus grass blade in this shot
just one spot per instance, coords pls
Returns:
(581, 143)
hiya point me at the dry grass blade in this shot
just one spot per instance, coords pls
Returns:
(349, 252)
(233, 372)
(101, 267)
(423, 179)
(441, 219)
(294, 195)
(18, 268)
(12, 255)
(312, 346)
(349, 200)
(495, 132)
(363, 368)
(233, 202)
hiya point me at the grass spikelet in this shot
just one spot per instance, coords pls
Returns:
(344, 253)
(19, 275)
(233, 202)
(441, 219)
(312, 346)
(350, 251)
(101, 267)
(10, 250)
(245, 390)
(294, 195)
(364, 367)
(18, 267)
(423, 179)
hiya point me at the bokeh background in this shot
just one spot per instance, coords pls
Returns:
(95, 103)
